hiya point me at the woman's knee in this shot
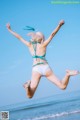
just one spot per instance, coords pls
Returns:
(29, 96)
(62, 87)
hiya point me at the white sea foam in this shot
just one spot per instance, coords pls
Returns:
(55, 115)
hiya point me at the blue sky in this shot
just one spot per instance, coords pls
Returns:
(15, 60)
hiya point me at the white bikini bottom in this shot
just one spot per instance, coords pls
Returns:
(42, 69)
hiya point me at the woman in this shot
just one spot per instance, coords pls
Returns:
(37, 47)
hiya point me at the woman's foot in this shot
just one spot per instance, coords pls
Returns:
(72, 72)
(27, 88)
(27, 84)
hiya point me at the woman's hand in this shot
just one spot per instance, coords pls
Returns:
(8, 26)
(61, 22)
(17, 35)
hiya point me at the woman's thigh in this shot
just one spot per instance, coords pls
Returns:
(53, 78)
(35, 79)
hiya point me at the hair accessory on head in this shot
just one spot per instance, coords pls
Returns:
(29, 28)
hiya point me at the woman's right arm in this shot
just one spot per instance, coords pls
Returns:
(46, 42)
(17, 35)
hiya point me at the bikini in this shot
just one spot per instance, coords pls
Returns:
(40, 67)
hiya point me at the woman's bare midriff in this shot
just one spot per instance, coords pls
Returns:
(35, 61)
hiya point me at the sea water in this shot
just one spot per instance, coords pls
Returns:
(57, 107)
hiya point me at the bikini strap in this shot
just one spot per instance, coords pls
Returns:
(41, 57)
(38, 64)
(34, 43)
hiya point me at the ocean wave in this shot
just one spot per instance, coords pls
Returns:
(25, 106)
(54, 115)
(48, 101)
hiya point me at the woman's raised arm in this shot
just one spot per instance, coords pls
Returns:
(17, 35)
(53, 33)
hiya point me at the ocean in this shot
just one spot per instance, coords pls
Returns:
(64, 106)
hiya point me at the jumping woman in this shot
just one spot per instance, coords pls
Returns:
(37, 47)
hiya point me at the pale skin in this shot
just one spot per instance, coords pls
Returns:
(31, 85)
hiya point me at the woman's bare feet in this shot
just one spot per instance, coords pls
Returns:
(72, 72)
(27, 84)
(27, 88)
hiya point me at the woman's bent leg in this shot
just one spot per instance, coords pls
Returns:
(32, 84)
(62, 84)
